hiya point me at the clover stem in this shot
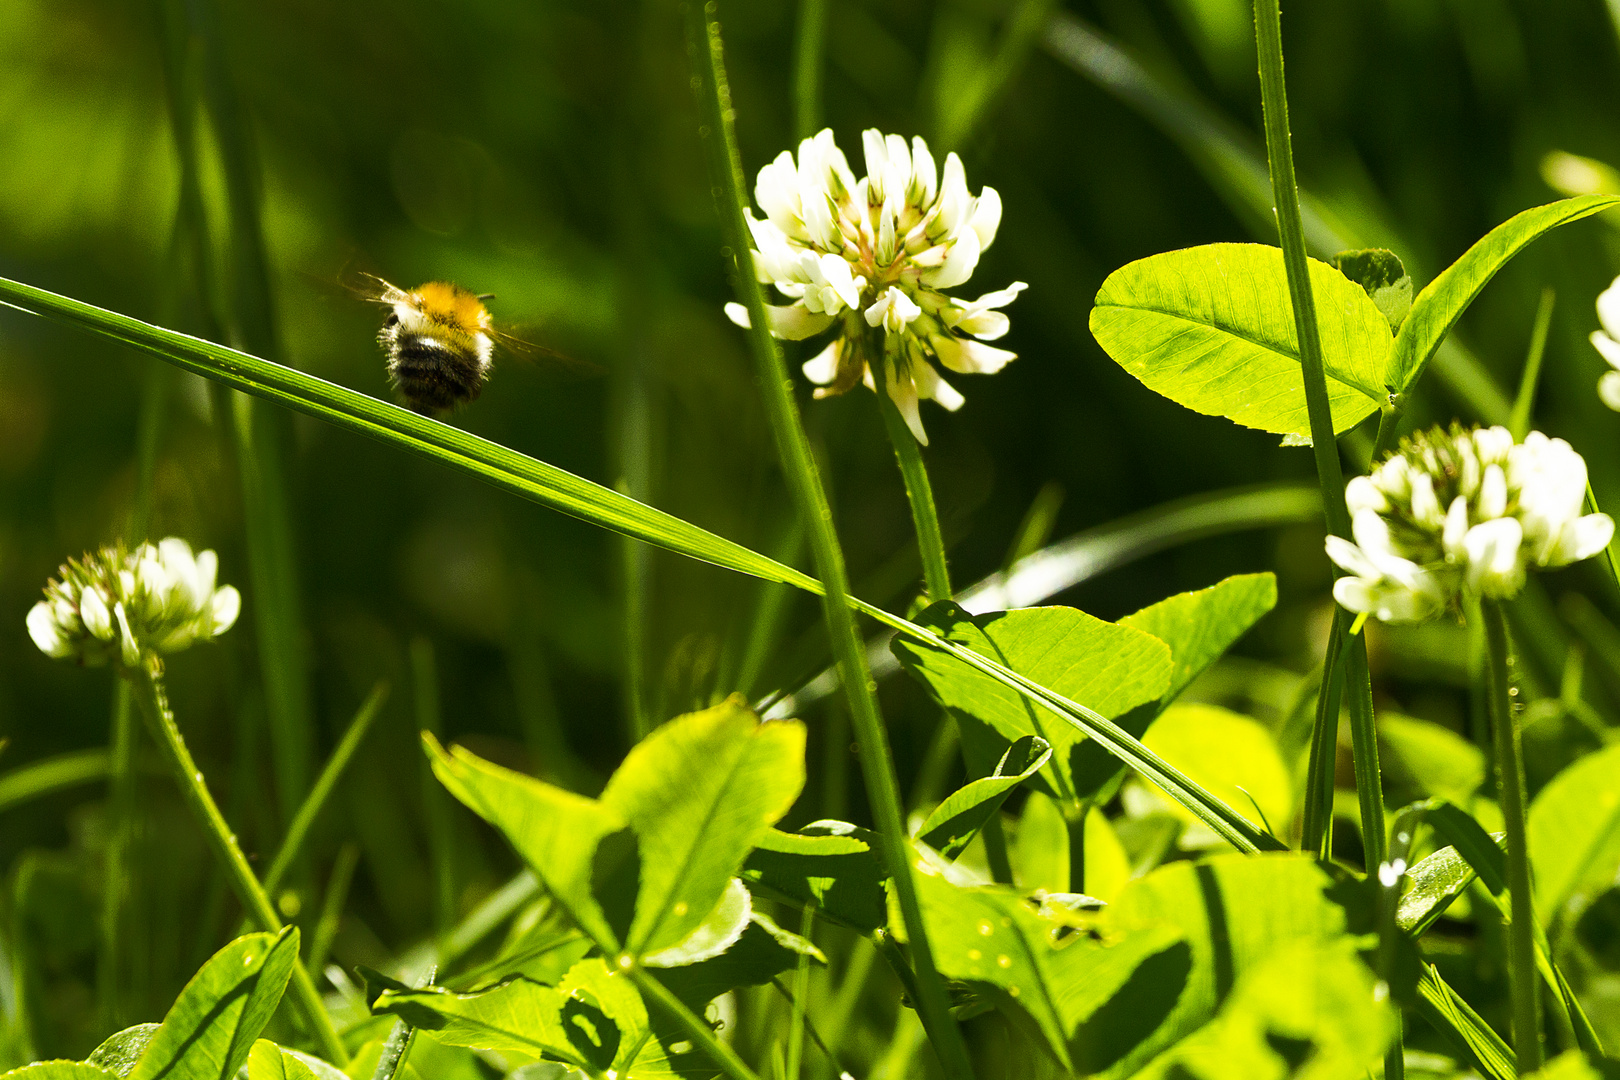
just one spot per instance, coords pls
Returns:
(1389, 417)
(146, 681)
(919, 492)
(804, 482)
(1522, 974)
(931, 546)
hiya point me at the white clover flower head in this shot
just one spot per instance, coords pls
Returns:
(1464, 510)
(120, 605)
(870, 255)
(1607, 343)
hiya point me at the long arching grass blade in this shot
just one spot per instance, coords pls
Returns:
(574, 495)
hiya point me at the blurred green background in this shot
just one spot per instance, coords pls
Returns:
(548, 153)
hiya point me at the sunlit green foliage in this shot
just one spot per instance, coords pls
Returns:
(614, 819)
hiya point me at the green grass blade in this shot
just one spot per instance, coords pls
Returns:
(325, 784)
(1444, 1008)
(483, 920)
(332, 904)
(550, 486)
(41, 778)
(1525, 403)
(966, 106)
(356, 412)
(809, 53)
(436, 802)
(260, 437)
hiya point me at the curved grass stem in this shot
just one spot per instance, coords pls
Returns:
(146, 682)
(1522, 973)
(793, 447)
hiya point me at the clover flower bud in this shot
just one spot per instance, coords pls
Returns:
(1462, 511)
(875, 253)
(118, 605)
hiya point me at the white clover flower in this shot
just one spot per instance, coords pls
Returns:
(873, 254)
(119, 605)
(1607, 342)
(1462, 511)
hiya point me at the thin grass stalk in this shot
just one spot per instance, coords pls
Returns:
(809, 50)
(435, 801)
(487, 917)
(768, 612)
(122, 806)
(1317, 836)
(800, 998)
(1024, 28)
(272, 561)
(293, 843)
(883, 788)
(38, 779)
(1522, 973)
(635, 568)
(25, 980)
(1364, 741)
(1524, 404)
(696, 1028)
(1291, 232)
(835, 1021)
(333, 901)
(532, 690)
(147, 684)
(634, 403)
(123, 803)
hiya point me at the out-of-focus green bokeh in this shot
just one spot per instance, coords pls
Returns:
(548, 152)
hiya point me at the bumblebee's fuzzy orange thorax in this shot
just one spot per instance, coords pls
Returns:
(452, 307)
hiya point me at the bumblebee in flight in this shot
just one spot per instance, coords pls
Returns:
(439, 340)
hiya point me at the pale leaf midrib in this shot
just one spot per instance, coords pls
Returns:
(1331, 370)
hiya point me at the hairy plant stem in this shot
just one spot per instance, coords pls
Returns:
(696, 1028)
(793, 447)
(936, 572)
(1522, 974)
(146, 681)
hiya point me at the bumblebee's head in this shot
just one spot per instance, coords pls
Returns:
(443, 308)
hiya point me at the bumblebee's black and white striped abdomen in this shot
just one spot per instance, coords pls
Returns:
(433, 365)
